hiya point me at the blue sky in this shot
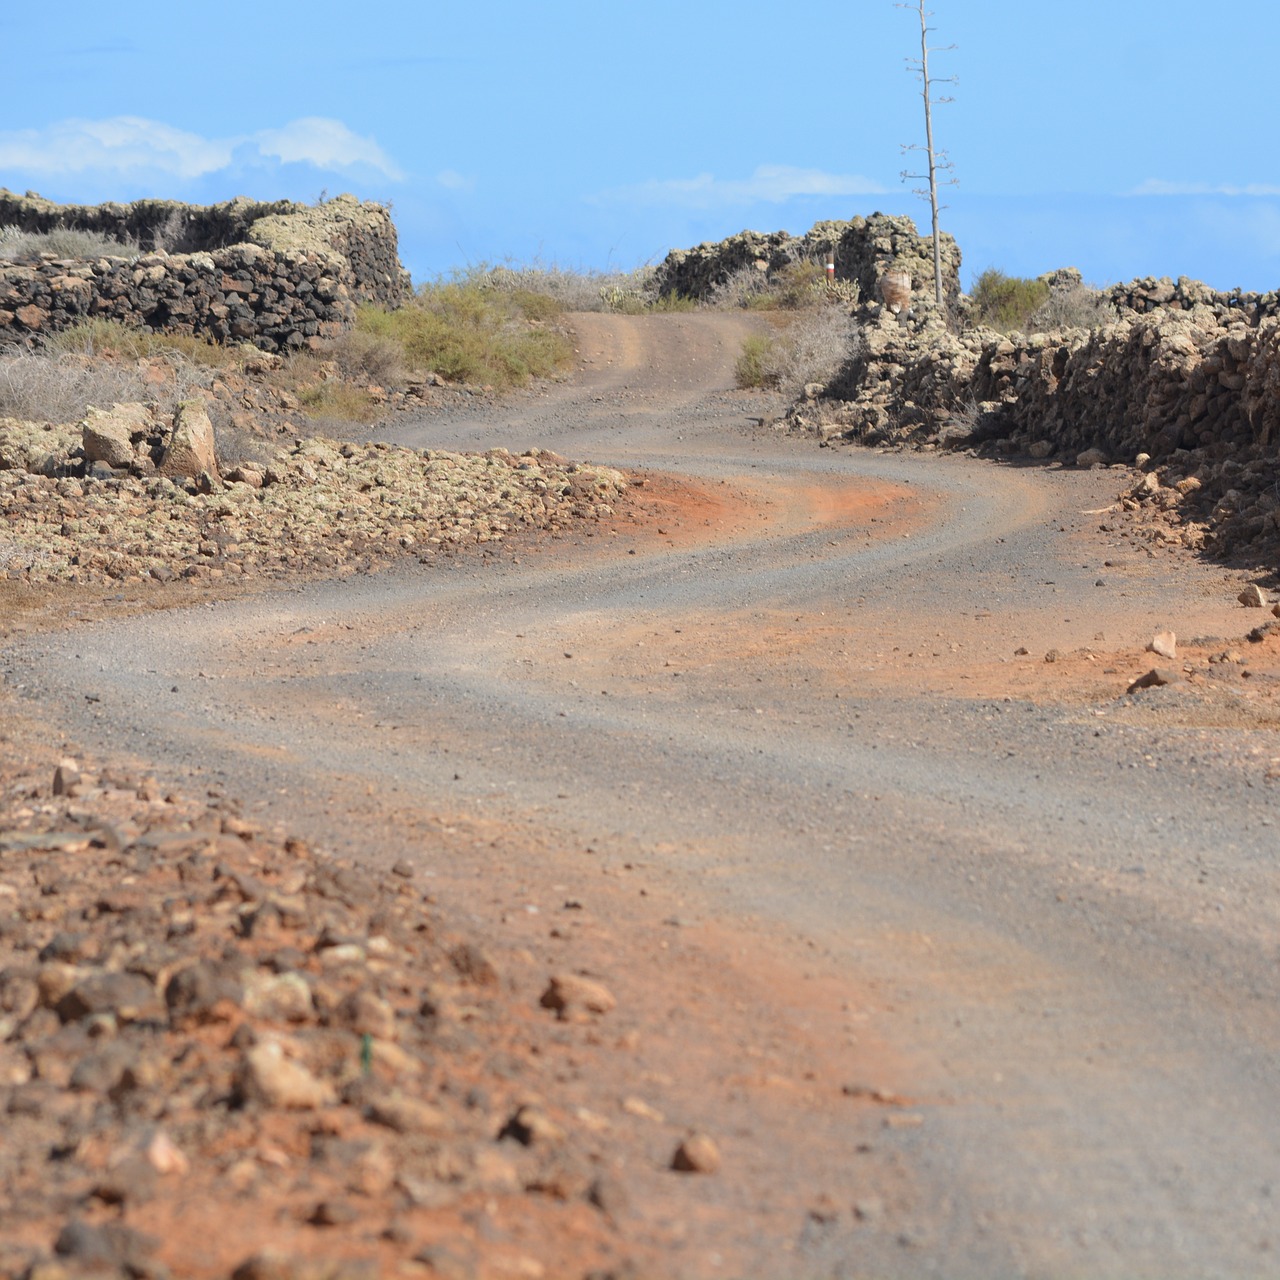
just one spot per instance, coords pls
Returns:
(1125, 137)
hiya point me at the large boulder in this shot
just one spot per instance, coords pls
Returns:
(190, 450)
(107, 435)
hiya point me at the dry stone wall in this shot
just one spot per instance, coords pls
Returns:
(1150, 294)
(1187, 386)
(279, 275)
(862, 251)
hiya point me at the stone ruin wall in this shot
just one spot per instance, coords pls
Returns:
(281, 276)
(862, 251)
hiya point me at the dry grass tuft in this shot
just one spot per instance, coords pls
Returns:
(794, 287)
(17, 245)
(59, 387)
(334, 401)
(114, 340)
(1076, 307)
(630, 292)
(102, 362)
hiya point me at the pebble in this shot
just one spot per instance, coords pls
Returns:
(112, 1244)
(1154, 678)
(130, 997)
(868, 1209)
(609, 1194)
(334, 1213)
(278, 997)
(366, 1014)
(444, 1262)
(407, 1115)
(696, 1154)
(274, 1264)
(574, 997)
(202, 992)
(473, 964)
(531, 1126)
(266, 1076)
(640, 1108)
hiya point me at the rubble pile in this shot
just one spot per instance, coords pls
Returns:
(130, 494)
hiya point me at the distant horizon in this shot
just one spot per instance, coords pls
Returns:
(602, 139)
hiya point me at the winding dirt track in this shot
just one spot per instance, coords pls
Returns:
(968, 961)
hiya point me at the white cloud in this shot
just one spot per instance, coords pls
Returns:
(452, 180)
(121, 142)
(1159, 187)
(327, 144)
(128, 144)
(769, 184)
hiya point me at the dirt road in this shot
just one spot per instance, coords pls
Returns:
(966, 959)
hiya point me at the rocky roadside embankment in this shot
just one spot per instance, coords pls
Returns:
(1185, 384)
(130, 494)
(224, 1053)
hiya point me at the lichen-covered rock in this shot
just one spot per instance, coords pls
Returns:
(267, 1077)
(36, 448)
(108, 435)
(190, 450)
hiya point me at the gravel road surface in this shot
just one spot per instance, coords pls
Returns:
(1049, 909)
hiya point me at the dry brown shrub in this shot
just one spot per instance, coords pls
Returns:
(367, 358)
(59, 386)
(810, 347)
(17, 245)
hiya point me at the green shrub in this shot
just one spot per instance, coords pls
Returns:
(338, 401)
(756, 366)
(1006, 302)
(671, 302)
(100, 337)
(537, 306)
(467, 332)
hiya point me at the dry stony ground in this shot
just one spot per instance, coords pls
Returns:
(220, 1051)
(223, 1052)
(314, 504)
